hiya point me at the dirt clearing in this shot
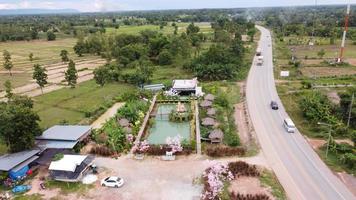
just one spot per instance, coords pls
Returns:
(327, 71)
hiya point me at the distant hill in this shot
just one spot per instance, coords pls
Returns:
(36, 11)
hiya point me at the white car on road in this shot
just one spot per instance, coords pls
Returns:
(112, 181)
(289, 125)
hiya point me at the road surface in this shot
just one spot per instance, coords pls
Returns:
(299, 169)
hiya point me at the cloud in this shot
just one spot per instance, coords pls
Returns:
(7, 6)
(100, 5)
(24, 4)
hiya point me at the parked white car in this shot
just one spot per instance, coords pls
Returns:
(112, 181)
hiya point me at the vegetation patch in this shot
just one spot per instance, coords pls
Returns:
(67, 188)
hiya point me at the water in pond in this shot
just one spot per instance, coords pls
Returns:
(163, 128)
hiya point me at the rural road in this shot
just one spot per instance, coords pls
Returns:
(299, 169)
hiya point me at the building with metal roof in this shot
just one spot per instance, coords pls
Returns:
(65, 133)
(70, 168)
(10, 161)
(62, 137)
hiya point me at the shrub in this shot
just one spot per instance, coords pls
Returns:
(238, 196)
(58, 156)
(220, 151)
(101, 150)
(165, 58)
(241, 168)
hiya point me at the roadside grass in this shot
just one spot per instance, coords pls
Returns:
(72, 105)
(333, 161)
(269, 179)
(28, 197)
(290, 103)
(67, 188)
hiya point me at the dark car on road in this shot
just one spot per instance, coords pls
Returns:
(274, 105)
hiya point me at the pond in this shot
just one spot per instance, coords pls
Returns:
(163, 128)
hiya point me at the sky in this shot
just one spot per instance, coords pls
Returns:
(121, 5)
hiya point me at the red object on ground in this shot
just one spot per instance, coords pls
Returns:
(29, 172)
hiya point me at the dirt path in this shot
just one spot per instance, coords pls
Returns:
(242, 120)
(107, 115)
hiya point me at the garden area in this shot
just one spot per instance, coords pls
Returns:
(229, 182)
(217, 120)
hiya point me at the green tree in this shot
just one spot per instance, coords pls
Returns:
(7, 61)
(192, 29)
(40, 75)
(18, 125)
(71, 75)
(165, 58)
(317, 107)
(8, 89)
(346, 107)
(102, 75)
(321, 53)
(51, 36)
(175, 30)
(30, 56)
(64, 55)
(80, 48)
(251, 33)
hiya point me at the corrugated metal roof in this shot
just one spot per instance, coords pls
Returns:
(66, 133)
(27, 162)
(55, 144)
(9, 161)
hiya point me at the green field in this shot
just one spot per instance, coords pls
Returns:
(204, 28)
(45, 52)
(72, 104)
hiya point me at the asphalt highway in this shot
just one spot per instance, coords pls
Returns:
(299, 169)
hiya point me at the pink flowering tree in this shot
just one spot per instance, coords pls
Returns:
(141, 147)
(214, 178)
(175, 143)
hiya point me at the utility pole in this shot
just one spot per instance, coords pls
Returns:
(329, 137)
(350, 109)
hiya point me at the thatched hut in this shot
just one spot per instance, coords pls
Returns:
(127, 130)
(124, 122)
(211, 112)
(206, 104)
(209, 97)
(216, 136)
(208, 121)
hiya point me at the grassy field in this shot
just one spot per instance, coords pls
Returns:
(72, 104)
(45, 52)
(204, 28)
